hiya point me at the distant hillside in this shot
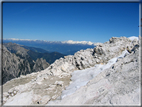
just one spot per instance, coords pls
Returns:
(34, 49)
(31, 53)
(15, 65)
(49, 57)
(66, 48)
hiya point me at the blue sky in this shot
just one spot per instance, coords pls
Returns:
(95, 22)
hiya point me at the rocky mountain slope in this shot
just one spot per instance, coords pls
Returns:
(32, 53)
(108, 74)
(119, 84)
(14, 66)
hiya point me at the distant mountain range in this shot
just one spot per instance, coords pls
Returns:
(109, 74)
(68, 42)
(32, 53)
(63, 47)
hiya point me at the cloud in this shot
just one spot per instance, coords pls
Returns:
(64, 42)
(78, 42)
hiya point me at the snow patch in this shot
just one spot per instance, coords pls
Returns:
(133, 38)
(82, 77)
(78, 42)
(20, 99)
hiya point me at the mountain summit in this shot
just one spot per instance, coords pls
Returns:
(107, 74)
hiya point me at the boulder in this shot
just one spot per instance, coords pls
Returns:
(98, 50)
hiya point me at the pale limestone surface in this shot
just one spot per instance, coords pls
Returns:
(117, 85)
(47, 85)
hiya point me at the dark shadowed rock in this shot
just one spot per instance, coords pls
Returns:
(99, 50)
(40, 64)
(14, 66)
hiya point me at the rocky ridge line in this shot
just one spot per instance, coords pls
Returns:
(89, 57)
(117, 85)
(41, 91)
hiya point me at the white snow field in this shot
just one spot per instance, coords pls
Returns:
(133, 38)
(82, 77)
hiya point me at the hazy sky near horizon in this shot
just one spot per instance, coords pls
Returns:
(95, 22)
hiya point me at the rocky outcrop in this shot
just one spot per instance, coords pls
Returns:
(40, 64)
(14, 66)
(17, 49)
(111, 84)
(117, 85)
(89, 57)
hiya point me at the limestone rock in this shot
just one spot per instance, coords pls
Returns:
(117, 85)
(40, 64)
(99, 50)
(112, 86)
(60, 83)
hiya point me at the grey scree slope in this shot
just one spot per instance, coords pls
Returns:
(122, 78)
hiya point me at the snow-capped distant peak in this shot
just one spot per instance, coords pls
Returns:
(15, 39)
(78, 42)
(133, 38)
(67, 42)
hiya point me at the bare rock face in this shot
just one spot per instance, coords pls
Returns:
(112, 86)
(15, 48)
(40, 64)
(98, 50)
(113, 40)
(14, 66)
(117, 85)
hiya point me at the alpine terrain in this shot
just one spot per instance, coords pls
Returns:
(19, 63)
(63, 47)
(108, 74)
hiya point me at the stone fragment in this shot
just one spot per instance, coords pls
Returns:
(59, 83)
